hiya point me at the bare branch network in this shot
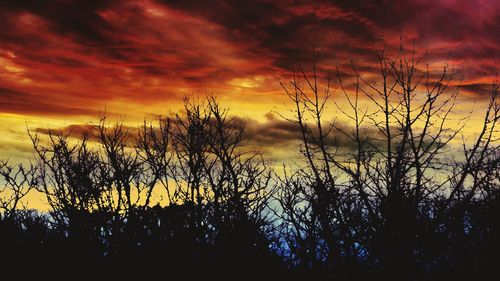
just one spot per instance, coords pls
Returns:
(397, 204)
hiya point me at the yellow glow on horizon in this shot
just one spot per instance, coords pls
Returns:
(249, 82)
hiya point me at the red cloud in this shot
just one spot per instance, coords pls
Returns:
(73, 57)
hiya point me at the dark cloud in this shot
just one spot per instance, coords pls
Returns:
(279, 133)
(13, 101)
(478, 90)
(274, 133)
(73, 18)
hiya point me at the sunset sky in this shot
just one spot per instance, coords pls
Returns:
(62, 62)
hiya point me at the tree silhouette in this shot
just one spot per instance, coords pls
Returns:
(391, 204)
(395, 201)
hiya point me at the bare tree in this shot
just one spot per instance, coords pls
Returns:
(372, 203)
(17, 180)
(238, 180)
(154, 147)
(133, 184)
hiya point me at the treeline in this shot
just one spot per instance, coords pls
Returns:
(398, 203)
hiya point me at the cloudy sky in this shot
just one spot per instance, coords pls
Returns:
(64, 61)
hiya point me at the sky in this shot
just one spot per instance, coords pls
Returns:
(63, 62)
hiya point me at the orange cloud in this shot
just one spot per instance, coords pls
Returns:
(78, 57)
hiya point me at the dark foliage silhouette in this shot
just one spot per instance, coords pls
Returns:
(397, 204)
